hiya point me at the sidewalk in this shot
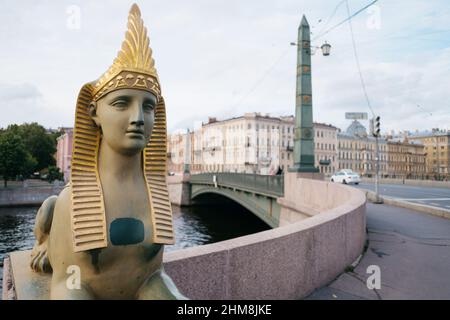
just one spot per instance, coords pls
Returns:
(412, 250)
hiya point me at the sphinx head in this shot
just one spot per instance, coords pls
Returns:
(125, 110)
(125, 118)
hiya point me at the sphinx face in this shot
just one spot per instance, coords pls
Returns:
(126, 118)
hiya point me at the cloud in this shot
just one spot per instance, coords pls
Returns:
(19, 93)
(225, 58)
(25, 102)
(19, 102)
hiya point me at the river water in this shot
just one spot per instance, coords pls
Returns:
(193, 226)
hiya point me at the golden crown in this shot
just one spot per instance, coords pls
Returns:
(134, 66)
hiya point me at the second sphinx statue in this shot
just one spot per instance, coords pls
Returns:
(114, 217)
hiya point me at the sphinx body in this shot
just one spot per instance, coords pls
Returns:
(116, 272)
(130, 266)
(111, 222)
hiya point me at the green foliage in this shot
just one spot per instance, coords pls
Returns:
(25, 149)
(14, 159)
(55, 135)
(40, 144)
(54, 174)
(29, 166)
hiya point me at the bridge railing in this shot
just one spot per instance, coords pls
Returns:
(263, 184)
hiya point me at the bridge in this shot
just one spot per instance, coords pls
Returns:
(256, 193)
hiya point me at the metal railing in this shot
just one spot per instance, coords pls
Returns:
(262, 184)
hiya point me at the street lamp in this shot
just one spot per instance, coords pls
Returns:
(326, 47)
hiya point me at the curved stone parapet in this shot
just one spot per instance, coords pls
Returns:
(323, 231)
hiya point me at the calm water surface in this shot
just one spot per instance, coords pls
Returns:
(193, 226)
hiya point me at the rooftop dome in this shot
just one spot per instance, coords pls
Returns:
(356, 129)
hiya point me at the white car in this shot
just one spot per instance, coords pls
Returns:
(346, 177)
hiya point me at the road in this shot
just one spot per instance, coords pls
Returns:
(412, 250)
(435, 197)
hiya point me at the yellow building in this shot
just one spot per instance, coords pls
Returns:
(406, 160)
(437, 149)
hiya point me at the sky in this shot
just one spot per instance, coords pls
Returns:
(224, 58)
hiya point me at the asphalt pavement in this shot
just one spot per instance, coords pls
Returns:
(412, 251)
(435, 197)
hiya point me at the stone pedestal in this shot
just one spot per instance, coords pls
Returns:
(8, 291)
(186, 190)
(179, 190)
(307, 175)
(22, 283)
(293, 206)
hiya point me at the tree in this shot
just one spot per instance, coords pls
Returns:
(40, 144)
(54, 174)
(14, 158)
(55, 135)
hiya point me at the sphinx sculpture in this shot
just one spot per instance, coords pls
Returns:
(113, 219)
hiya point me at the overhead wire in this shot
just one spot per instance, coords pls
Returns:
(261, 79)
(267, 72)
(345, 20)
(355, 52)
(331, 17)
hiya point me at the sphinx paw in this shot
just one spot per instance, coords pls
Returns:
(39, 260)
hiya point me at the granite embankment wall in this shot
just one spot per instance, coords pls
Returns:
(27, 196)
(179, 190)
(323, 233)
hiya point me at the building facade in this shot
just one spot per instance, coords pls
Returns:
(64, 144)
(247, 144)
(252, 143)
(255, 143)
(357, 151)
(437, 149)
(326, 148)
(406, 160)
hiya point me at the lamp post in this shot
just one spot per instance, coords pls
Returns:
(304, 132)
(326, 48)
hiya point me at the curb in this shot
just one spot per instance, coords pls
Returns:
(409, 205)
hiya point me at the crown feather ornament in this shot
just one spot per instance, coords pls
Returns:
(133, 68)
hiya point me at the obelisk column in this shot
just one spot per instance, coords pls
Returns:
(304, 133)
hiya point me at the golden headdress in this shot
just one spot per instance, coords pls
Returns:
(133, 68)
